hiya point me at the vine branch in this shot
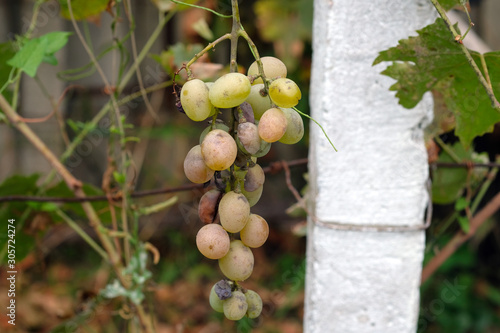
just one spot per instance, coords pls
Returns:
(467, 54)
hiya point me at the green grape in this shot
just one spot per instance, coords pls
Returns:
(259, 103)
(234, 211)
(254, 196)
(207, 208)
(284, 93)
(272, 125)
(273, 68)
(237, 264)
(248, 138)
(255, 232)
(195, 101)
(195, 167)
(212, 241)
(263, 150)
(254, 304)
(215, 302)
(294, 127)
(236, 306)
(220, 126)
(219, 150)
(230, 90)
(254, 178)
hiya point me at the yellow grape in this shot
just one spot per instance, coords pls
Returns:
(219, 150)
(259, 103)
(255, 232)
(195, 101)
(195, 167)
(272, 125)
(212, 241)
(254, 304)
(284, 93)
(294, 127)
(229, 90)
(273, 68)
(237, 264)
(236, 306)
(234, 211)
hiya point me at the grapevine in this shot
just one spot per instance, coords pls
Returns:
(260, 108)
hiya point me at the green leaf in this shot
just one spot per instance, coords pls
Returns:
(433, 61)
(448, 184)
(18, 185)
(83, 9)
(464, 223)
(36, 50)
(449, 4)
(461, 204)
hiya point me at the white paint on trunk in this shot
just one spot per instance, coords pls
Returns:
(364, 281)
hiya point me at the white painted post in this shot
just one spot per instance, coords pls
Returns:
(364, 280)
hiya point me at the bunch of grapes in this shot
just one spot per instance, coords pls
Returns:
(260, 105)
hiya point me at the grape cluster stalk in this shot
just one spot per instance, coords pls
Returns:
(260, 105)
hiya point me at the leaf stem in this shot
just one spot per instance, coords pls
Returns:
(201, 7)
(308, 116)
(467, 54)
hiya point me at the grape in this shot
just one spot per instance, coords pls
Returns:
(294, 127)
(195, 101)
(272, 125)
(254, 304)
(230, 90)
(284, 93)
(273, 68)
(259, 103)
(212, 241)
(237, 264)
(235, 307)
(207, 130)
(214, 300)
(263, 150)
(254, 196)
(247, 112)
(255, 232)
(218, 150)
(195, 167)
(254, 178)
(207, 208)
(248, 137)
(234, 211)
(223, 289)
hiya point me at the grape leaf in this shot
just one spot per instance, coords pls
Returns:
(83, 9)
(433, 61)
(37, 50)
(449, 4)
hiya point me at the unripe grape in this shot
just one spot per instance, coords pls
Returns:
(255, 232)
(254, 304)
(230, 90)
(207, 130)
(237, 264)
(284, 93)
(263, 150)
(218, 150)
(212, 241)
(248, 137)
(234, 211)
(236, 306)
(259, 103)
(254, 196)
(272, 125)
(294, 127)
(254, 178)
(195, 167)
(195, 101)
(273, 68)
(215, 302)
(207, 208)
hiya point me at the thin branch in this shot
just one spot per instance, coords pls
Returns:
(467, 54)
(273, 168)
(460, 237)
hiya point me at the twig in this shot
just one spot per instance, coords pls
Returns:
(467, 54)
(461, 237)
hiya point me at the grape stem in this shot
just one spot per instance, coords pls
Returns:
(322, 129)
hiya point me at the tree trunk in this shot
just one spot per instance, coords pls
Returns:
(365, 279)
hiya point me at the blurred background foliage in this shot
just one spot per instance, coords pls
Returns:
(62, 276)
